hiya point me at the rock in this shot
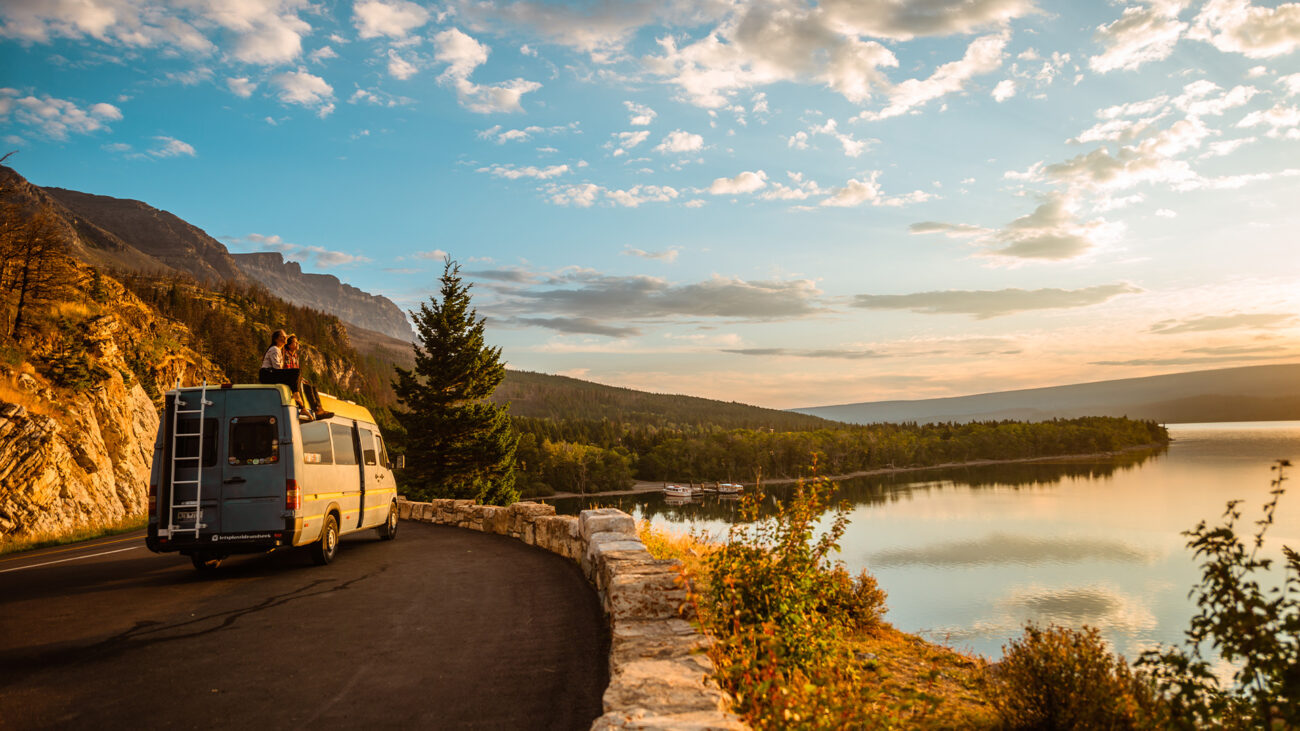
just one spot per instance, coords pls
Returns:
(606, 520)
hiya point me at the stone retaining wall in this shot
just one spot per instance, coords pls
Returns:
(659, 674)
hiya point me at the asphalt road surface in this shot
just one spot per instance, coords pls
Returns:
(441, 628)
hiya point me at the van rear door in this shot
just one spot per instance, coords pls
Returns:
(185, 477)
(254, 465)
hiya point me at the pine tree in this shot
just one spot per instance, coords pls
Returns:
(458, 443)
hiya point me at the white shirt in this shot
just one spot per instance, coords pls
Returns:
(273, 358)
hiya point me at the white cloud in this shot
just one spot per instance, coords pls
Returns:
(1166, 213)
(171, 147)
(463, 54)
(322, 54)
(745, 182)
(982, 56)
(641, 114)
(56, 118)
(398, 67)
(241, 86)
(1005, 89)
(317, 256)
(1141, 34)
(305, 89)
(670, 255)
(1292, 84)
(1237, 26)
(1051, 233)
(857, 192)
(903, 20)
(852, 146)
(512, 172)
(1281, 121)
(585, 195)
(394, 19)
(798, 140)
(435, 255)
(680, 141)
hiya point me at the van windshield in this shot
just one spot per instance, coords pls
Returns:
(253, 440)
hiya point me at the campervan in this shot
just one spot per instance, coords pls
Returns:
(235, 470)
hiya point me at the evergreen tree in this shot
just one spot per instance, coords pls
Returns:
(458, 443)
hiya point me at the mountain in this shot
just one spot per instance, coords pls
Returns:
(128, 235)
(325, 292)
(1251, 393)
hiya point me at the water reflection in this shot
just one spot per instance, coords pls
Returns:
(1023, 550)
(869, 491)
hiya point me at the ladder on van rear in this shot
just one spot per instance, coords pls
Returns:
(178, 408)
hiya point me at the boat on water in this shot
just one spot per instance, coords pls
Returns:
(678, 491)
(730, 488)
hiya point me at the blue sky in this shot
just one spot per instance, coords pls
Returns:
(771, 202)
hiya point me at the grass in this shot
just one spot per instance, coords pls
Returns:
(890, 679)
(45, 540)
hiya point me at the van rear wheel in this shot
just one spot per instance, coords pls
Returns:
(388, 531)
(324, 550)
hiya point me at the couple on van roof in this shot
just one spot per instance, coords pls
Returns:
(280, 365)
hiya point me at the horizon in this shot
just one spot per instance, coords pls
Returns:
(700, 196)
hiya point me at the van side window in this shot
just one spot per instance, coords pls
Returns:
(383, 451)
(188, 446)
(316, 443)
(344, 451)
(368, 455)
(254, 440)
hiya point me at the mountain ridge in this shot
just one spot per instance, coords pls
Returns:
(1246, 393)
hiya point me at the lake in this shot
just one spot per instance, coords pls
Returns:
(968, 555)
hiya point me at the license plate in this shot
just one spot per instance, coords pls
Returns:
(184, 515)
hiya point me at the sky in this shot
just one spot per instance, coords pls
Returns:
(779, 203)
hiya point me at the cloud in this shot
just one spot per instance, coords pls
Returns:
(56, 118)
(595, 27)
(435, 255)
(986, 304)
(669, 255)
(680, 141)
(983, 55)
(577, 326)
(585, 195)
(951, 230)
(1005, 89)
(171, 147)
(1281, 121)
(510, 172)
(322, 54)
(856, 192)
(799, 189)
(241, 86)
(394, 19)
(1237, 26)
(463, 55)
(398, 67)
(586, 293)
(628, 140)
(1142, 34)
(267, 33)
(317, 256)
(1211, 323)
(305, 89)
(501, 136)
(830, 353)
(1050, 233)
(641, 115)
(1014, 550)
(745, 182)
(853, 147)
(904, 20)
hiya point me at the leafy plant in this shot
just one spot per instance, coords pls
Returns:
(1255, 630)
(1062, 678)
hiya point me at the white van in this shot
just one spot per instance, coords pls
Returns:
(235, 472)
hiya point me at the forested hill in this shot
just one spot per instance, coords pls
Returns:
(543, 396)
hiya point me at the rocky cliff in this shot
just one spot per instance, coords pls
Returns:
(79, 412)
(325, 292)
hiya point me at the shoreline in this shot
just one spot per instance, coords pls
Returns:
(644, 486)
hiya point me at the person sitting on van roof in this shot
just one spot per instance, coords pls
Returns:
(301, 387)
(273, 360)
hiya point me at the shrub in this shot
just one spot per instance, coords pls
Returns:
(1257, 631)
(1061, 678)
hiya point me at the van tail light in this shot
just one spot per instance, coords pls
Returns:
(292, 495)
(153, 501)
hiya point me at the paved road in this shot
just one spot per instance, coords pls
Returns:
(441, 628)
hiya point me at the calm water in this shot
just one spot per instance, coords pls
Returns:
(969, 555)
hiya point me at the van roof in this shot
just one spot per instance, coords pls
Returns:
(341, 408)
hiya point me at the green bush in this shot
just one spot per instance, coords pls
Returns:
(1256, 630)
(1061, 678)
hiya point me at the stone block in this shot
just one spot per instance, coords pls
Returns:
(637, 639)
(490, 518)
(645, 720)
(645, 596)
(665, 686)
(559, 534)
(600, 544)
(404, 510)
(606, 520)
